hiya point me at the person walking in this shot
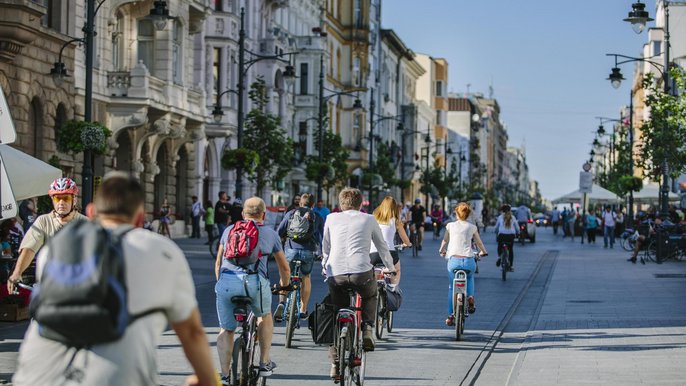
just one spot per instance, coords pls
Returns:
(130, 360)
(196, 211)
(321, 209)
(555, 219)
(619, 222)
(222, 212)
(348, 236)
(571, 223)
(591, 222)
(236, 211)
(235, 280)
(609, 222)
(303, 230)
(63, 193)
(165, 212)
(209, 221)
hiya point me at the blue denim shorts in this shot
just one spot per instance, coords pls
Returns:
(230, 285)
(305, 256)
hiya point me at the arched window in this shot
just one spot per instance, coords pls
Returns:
(124, 151)
(338, 64)
(60, 118)
(160, 182)
(182, 183)
(177, 53)
(118, 43)
(36, 128)
(146, 44)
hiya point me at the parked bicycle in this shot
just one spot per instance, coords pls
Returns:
(628, 239)
(350, 356)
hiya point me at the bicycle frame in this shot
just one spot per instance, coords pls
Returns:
(292, 306)
(248, 336)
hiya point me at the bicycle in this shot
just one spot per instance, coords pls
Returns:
(292, 307)
(460, 300)
(351, 358)
(214, 246)
(505, 260)
(245, 367)
(384, 317)
(413, 239)
(628, 239)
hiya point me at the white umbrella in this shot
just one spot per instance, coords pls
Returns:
(651, 193)
(598, 195)
(28, 176)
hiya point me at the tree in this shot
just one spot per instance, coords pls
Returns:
(264, 135)
(619, 178)
(333, 170)
(664, 133)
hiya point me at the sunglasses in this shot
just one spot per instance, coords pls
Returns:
(67, 198)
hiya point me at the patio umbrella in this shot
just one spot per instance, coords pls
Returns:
(651, 194)
(598, 195)
(28, 176)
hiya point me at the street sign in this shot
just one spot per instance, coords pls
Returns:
(587, 167)
(7, 132)
(7, 202)
(585, 182)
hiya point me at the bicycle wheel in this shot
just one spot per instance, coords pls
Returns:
(415, 247)
(239, 366)
(504, 264)
(344, 356)
(291, 317)
(380, 307)
(360, 370)
(389, 323)
(651, 251)
(459, 323)
(214, 247)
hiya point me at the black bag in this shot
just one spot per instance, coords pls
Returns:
(82, 298)
(394, 298)
(322, 322)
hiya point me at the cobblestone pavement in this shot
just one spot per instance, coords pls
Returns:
(570, 314)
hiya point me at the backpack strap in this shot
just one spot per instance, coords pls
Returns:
(135, 317)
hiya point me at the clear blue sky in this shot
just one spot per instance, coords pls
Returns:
(546, 61)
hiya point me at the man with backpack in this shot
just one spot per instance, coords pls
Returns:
(303, 229)
(241, 270)
(98, 323)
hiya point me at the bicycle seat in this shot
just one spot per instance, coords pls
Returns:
(460, 269)
(241, 300)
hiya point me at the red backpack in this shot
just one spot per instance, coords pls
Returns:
(241, 245)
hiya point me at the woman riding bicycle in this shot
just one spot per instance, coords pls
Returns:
(506, 229)
(388, 217)
(457, 244)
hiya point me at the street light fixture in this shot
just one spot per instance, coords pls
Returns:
(159, 14)
(616, 77)
(601, 130)
(638, 17)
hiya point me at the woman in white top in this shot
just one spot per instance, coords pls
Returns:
(457, 245)
(506, 229)
(388, 217)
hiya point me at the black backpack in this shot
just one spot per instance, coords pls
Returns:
(82, 297)
(301, 225)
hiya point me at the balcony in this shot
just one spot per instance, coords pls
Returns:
(310, 43)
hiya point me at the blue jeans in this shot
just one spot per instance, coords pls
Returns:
(609, 232)
(306, 257)
(221, 228)
(468, 264)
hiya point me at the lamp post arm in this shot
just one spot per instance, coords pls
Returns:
(258, 57)
(65, 45)
(630, 59)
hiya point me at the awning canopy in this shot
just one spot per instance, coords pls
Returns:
(28, 176)
(598, 195)
(651, 194)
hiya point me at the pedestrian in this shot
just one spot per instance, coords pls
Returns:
(209, 221)
(130, 360)
(63, 193)
(322, 210)
(619, 221)
(221, 212)
(336, 209)
(609, 222)
(27, 213)
(563, 219)
(555, 219)
(236, 280)
(197, 211)
(303, 230)
(165, 212)
(294, 204)
(591, 222)
(236, 211)
(571, 223)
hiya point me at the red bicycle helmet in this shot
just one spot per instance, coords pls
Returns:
(64, 185)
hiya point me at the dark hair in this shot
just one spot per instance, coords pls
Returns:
(208, 204)
(194, 197)
(221, 193)
(119, 194)
(306, 199)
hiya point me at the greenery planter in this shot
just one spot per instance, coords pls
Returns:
(244, 159)
(78, 136)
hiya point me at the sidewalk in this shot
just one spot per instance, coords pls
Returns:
(606, 321)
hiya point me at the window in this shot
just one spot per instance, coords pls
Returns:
(356, 71)
(146, 44)
(304, 79)
(177, 53)
(438, 117)
(338, 64)
(118, 44)
(357, 16)
(657, 48)
(218, 5)
(439, 88)
(216, 70)
(302, 141)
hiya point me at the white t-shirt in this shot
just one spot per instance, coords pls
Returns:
(460, 238)
(388, 231)
(609, 218)
(157, 276)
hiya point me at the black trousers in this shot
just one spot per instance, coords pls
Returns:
(363, 283)
(591, 235)
(195, 227)
(509, 240)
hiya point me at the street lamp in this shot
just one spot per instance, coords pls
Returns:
(159, 14)
(372, 123)
(601, 130)
(638, 17)
(616, 77)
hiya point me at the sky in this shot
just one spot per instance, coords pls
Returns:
(545, 60)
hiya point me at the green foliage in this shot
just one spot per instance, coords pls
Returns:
(436, 182)
(245, 159)
(264, 135)
(664, 133)
(333, 170)
(77, 136)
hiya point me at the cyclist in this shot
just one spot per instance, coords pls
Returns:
(348, 236)
(417, 218)
(233, 280)
(63, 193)
(437, 217)
(457, 245)
(387, 216)
(506, 229)
(303, 249)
